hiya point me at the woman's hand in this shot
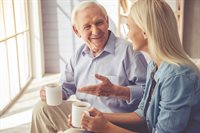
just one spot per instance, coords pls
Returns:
(96, 122)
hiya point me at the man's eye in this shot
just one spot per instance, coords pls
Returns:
(99, 23)
(86, 27)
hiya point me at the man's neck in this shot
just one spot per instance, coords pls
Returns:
(97, 52)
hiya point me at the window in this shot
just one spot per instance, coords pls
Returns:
(15, 70)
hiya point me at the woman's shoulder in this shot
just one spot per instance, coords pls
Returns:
(168, 70)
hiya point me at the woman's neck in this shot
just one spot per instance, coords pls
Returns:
(156, 60)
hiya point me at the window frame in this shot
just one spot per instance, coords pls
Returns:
(14, 92)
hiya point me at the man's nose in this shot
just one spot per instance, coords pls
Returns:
(95, 30)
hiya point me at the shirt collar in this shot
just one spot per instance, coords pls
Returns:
(160, 70)
(110, 45)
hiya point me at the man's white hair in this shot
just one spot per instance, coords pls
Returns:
(83, 5)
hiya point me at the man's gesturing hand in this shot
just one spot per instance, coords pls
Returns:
(105, 88)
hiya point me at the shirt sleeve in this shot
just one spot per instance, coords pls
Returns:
(140, 109)
(175, 106)
(67, 79)
(136, 72)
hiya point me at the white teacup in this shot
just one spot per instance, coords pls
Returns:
(78, 109)
(53, 94)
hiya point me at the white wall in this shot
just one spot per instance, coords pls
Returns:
(191, 31)
(58, 36)
(36, 38)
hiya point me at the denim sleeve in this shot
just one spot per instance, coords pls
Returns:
(67, 79)
(175, 105)
(140, 110)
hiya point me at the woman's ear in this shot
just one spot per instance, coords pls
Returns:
(76, 31)
(145, 35)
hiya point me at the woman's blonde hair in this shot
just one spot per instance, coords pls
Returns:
(157, 20)
(83, 5)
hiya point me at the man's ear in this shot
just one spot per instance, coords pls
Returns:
(76, 31)
(107, 20)
(145, 35)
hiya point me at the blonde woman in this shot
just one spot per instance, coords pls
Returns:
(171, 101)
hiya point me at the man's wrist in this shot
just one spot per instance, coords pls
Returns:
(121, 92)
(65, 95)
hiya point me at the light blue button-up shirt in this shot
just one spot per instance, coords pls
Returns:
(119, 63)
(175, 103)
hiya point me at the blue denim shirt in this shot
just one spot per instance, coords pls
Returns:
(119, 63)
(175, 103)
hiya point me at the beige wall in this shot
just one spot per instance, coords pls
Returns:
(191, 31)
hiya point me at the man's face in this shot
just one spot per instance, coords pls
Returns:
(92, 25)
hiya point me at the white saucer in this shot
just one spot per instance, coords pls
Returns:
(74, 130)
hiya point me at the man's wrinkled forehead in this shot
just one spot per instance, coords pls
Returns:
(88, 14)
(90, 9)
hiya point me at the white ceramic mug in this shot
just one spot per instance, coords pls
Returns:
(53, 94)
(78, 109)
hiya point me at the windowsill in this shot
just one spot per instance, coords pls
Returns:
(21, 111)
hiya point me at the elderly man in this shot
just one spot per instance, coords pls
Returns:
(105, 72)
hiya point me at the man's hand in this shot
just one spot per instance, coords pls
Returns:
(105, 88)
(69, 121)
(42, 94)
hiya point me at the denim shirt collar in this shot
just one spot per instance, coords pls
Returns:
(160, 71)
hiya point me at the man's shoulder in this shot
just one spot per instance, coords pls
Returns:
(121, 40)
(80, 49)
(123, 43)
(77, 53)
